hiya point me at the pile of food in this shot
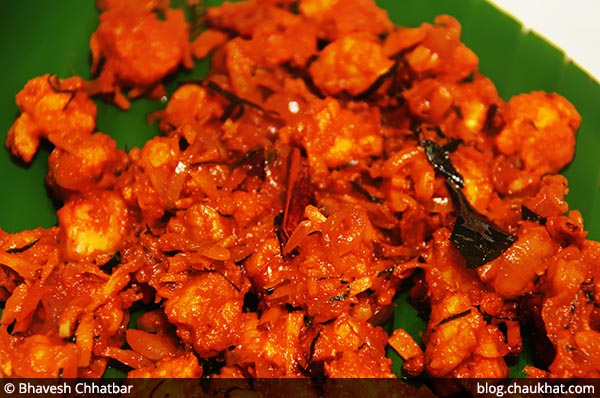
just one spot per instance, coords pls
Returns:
(328, 162)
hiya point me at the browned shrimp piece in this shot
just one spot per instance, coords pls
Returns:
(92, 224)
(458, 340)
(353, 347)
(246, 17)
(569, 314)
(442, 53)
(277, 36)
(122, 32)
(84, 163)
(177, 112)
(40, 356)
(334, 136)
(205, 310)
(207, 41)
(338, 18)
(513, 274)
(50, 107)
(350, 64)
(282, 353)
(540, 132)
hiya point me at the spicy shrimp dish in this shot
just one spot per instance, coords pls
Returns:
(327, 163)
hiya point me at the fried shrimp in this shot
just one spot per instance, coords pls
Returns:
(328, 163)
(50, 107)
(127, 27)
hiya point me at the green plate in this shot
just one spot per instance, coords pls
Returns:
(46, 36)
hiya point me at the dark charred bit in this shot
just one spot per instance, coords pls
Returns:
(398, 78)
(242, 260)
(454, 317)
(255, 162)
(269, 291)
(277, 223)
(458, 112)
(228, 280)
(308, 320)
(54, 83)
(439, 159)
(168, 214)
(493, 122)
(438, 130)
(587, 288)
(378, 82)
(236, 107)
(315, 370)
(22, 248)
(529, 215)
(292, 308)
(358, 187)
(386, 272)
(340, 297)
(489, 318)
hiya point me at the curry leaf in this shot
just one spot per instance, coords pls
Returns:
(477, 239)
(439, 159)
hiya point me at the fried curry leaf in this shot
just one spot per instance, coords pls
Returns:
(478, 240)
(439, 159)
